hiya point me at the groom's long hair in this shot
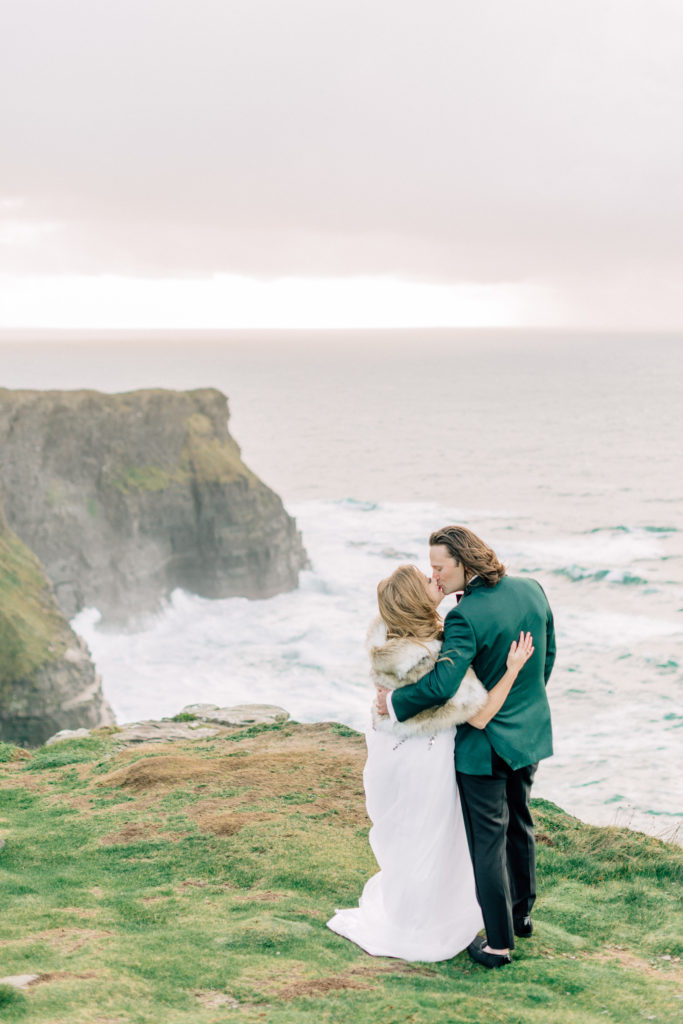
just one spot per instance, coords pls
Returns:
(469, 550)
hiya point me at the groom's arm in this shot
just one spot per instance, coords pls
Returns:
(551, 648)
(439, 685)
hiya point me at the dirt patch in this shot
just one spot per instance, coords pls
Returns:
(76, 803)
(18, 754)
(310, 758)
(27, 780)
(299, 983)
(66, 940)
(227, 823)
(356, 978)
(212, 1000)
(321, 782)
(139, 832)
(613, 954)
(544, 838)
(53, 976)
(163, 771)
(319, 986)
(258, 897)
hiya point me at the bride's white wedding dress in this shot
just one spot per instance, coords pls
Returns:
(421, 905)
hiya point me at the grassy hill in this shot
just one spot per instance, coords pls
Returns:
(190, 883)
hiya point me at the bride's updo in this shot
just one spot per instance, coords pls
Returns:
(405, 607)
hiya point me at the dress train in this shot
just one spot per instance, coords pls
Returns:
(421, 904)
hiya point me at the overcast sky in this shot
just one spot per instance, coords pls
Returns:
(533, 145)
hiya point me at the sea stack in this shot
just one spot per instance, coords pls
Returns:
(125, 497)
(47, 679)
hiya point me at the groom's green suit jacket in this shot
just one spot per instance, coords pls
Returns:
(478, 632)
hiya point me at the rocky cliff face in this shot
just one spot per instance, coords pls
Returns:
(126, 497)
(47, 680)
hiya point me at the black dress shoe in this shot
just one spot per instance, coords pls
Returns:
(479, 954)
(523, 926)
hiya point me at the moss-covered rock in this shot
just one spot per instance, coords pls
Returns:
(47, 680)
(126, 497)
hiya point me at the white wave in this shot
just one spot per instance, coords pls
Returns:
(600, 550)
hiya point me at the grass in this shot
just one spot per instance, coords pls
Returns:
(130, 479)
(205, 456)
(211, 458)
(32, 629)
(190, 883)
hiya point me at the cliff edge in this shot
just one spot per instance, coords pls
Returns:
(125, 497)
(192, 881)
(47, 679)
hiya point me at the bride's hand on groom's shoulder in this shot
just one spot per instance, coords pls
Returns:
(520, 651)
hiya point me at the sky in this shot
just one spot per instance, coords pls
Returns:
(313, 163)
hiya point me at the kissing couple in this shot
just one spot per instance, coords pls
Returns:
(455, 848)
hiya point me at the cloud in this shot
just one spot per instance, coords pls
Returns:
(237, 302)
(439, 141)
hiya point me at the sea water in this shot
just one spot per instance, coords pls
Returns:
(562, 451)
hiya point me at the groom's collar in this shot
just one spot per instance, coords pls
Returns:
(475, 582)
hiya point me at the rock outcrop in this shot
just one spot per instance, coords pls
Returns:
(125, 497)
(47, 679)
(195, 722)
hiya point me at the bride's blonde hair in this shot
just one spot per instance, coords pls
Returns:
(405, 607)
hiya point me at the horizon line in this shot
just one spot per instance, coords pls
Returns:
(373, 328)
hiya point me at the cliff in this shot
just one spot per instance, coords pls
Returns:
(125, 497)
(47, 680)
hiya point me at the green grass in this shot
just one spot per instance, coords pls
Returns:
(210, 458)
(204, 456)
(67, 751)
(32, 629)
(131, 479)
(9, 752)
(165, 885)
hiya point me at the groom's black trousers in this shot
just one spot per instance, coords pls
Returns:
(500, 834)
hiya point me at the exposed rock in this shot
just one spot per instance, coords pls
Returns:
(208, 720)
(126, 497)
(240, 714)
(47, 679)
(20, 980)
(163, 732)
(67, 734)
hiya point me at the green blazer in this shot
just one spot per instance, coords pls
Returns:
(478, 632)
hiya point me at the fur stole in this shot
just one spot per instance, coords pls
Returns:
(403, 660)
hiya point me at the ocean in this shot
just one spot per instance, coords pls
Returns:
(561, 450)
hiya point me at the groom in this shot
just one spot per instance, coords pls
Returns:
(495, 766)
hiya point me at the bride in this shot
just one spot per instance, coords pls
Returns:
(421, 905)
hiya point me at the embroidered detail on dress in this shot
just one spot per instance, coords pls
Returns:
(431, 741)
